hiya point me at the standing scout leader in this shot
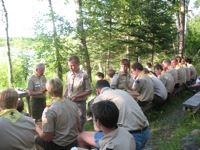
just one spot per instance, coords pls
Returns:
(36, 89)
(77, 86)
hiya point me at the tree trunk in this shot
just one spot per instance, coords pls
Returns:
(82, 37)
(55, 43)
(152, 57)
(100, 67)
(10, 75)
(176, 48)
(108, 52)
(182, 29)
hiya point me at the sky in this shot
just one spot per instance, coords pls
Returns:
(22, 13)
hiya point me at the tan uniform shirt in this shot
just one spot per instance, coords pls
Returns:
(193, 73)
(181, 75)
(37, 84)
(144, 86)
(174, 74)
(62, 119)
(159, 88)
(168, 81)
(119, 139)
(77, 83)
(122, 81)
(131, 117)
(17, 131)
(187, 70)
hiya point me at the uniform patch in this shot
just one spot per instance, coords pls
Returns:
(137, 81)
(45, 112)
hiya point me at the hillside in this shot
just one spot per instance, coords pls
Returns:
(171, 127)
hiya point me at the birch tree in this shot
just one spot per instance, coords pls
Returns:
(82, 36)
(55, 42)
(10, 74)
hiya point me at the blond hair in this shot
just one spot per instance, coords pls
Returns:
(55, 87)
(8, 98)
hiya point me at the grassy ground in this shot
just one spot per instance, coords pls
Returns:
(169, 124)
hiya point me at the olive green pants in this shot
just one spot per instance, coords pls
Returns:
(37, 107)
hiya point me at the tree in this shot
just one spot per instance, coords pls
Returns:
(10, 74)
(192, 43)
(55, 43)
(82, 36)
(182, 28)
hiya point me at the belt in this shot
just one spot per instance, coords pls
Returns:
(138, 131)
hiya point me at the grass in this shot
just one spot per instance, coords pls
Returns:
(169, 124)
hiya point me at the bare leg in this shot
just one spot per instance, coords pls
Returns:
(86, 139)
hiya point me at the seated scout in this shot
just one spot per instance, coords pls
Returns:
(20, 107)
(131, 117)
(166, 78)
(98, 76)
(123, 79)
(142, 84)
(106, 116)
(110, 74)
(60, 121)
(160, 91)
(17, 130)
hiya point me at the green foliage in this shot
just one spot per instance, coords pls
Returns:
(131, 29)
(3, 75)
(197, 3)
(192, 43)
(54, 47)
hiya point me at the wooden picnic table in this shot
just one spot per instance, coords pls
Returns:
(24, 94)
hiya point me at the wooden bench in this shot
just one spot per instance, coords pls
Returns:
(193, 88)
(193, 103)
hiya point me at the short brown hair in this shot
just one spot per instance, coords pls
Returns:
(74, 59)
(110, 73)
(125, 62)
(137, 66)
(8, 98)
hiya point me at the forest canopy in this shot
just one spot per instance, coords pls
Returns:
(103, 33)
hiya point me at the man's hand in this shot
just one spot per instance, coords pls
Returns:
(74, 98)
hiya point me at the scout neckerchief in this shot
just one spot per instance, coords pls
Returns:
(72, 87)
(40, 79)
(11, 114)
(162, 72)
(141, 73)
(170, 67)
(57, 98)
(74, 76)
